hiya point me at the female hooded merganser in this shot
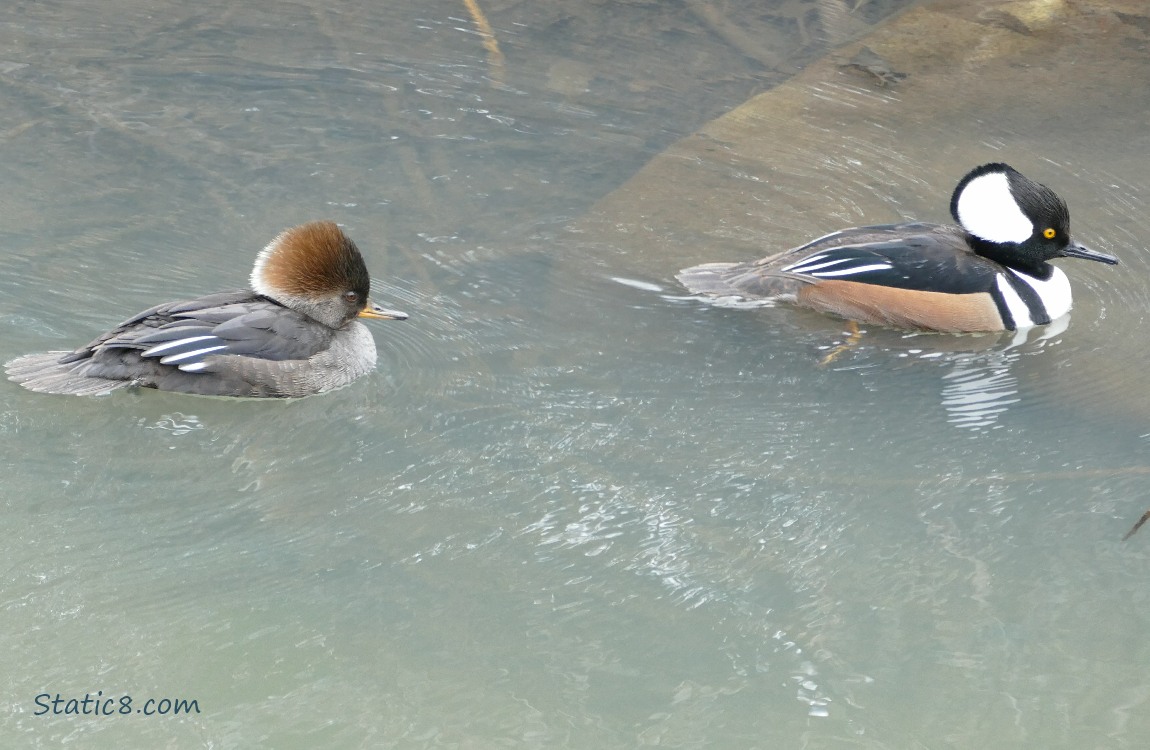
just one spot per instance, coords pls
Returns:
(292, 334)
(991, 273)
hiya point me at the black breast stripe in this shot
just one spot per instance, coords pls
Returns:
(1029, 297)
(1003, 309)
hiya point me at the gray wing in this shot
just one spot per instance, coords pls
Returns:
(187, 335)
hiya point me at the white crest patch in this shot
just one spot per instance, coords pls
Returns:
(259, 285)
(987, 209)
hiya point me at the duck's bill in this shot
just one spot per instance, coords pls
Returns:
(376, 312)
(1074, 250)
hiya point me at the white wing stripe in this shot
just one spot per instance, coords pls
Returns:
(852, 271)
(177, 358)
(805, 261)
(174, 343)
(807, 265)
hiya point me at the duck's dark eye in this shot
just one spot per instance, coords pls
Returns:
(353, 298)
(1049, 233)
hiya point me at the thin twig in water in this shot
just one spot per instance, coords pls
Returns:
(495, 59)
(1137, 526)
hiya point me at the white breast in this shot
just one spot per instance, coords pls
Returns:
(1054, 293)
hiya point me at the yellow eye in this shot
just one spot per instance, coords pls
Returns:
(1049, 233)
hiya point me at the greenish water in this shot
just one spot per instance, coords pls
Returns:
(572, 508)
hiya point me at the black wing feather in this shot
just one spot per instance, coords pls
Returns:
(928, 261)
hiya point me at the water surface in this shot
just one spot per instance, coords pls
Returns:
(572, 508)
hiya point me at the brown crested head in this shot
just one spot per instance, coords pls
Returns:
(314, 269)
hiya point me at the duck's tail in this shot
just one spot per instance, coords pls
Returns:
(709, 278)
(748, 282)
(44, 373)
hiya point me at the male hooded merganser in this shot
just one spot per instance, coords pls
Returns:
(991, 273)
(292, 334)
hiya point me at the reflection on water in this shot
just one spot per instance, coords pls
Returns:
(573, 508)
(981, 387)
(977, 393)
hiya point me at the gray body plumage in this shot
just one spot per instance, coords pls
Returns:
(248, 345)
